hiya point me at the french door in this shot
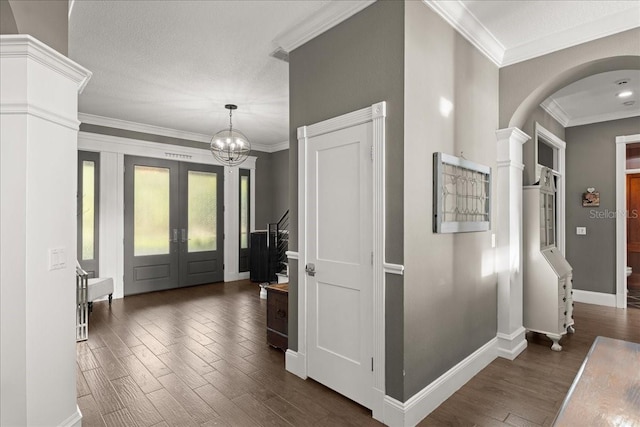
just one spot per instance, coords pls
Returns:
(173, 223)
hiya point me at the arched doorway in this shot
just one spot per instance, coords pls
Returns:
(523, 87)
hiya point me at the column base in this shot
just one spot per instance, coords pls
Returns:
(510, 346)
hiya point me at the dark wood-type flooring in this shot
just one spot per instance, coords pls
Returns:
(198, 357)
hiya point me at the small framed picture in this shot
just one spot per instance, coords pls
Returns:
(591, 199)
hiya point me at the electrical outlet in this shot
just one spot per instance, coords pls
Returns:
(581, 231)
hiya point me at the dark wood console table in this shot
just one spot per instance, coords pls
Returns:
(277, 315)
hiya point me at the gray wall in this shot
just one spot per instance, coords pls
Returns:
(528, 149)
(46, 20)
(354, 65)
(280, 183)
(264, 190)
(272, 187)
(591, 162)
(523, 86)
(450, 285)
(7, 20)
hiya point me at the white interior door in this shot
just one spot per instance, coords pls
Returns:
(339, 249)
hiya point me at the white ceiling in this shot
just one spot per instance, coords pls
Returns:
(168, 67)
(594, 99)
(175, 64)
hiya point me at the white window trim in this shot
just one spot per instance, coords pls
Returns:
(560, 147)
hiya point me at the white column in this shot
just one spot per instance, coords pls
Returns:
(231, 220)
(38, 178)
(511, 333)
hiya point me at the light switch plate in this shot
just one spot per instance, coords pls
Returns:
(53, 259)
(57, 258)
(493, 240)
(581, 231)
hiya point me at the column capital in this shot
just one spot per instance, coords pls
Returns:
(26, 46)
(510, 142)
(512, 134)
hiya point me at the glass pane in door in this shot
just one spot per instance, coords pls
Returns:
(202, 211)
(244, 212)
(88, 209)
(151, 211)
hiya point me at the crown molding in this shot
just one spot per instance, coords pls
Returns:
(26, 46)
(109, 122)
(92, 119)
(320, 21)
(463, 21)
(580, 121)
(284, 145)
(458, 16)
(603, 27)
(555, 110)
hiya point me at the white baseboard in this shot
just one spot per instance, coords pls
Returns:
(409, 413)
(377, 404)
(294, 362)
(598, 298)
(243, 276)
(74, 420)
(510, 346)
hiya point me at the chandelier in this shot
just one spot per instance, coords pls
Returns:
(229, 146)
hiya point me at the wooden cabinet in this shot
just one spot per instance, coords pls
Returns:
(547, 276)
(277, 315)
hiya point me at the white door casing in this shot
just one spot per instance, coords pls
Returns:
(621, 216)
(297, 361)
(340, 248)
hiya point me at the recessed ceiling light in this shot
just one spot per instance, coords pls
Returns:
(625, 94)
(622, 82)
(629, 103)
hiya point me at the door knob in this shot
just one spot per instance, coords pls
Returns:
(310, 269)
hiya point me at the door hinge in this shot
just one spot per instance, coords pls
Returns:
(372, 258)
(372, 152)
(372, 364)
(223, 266)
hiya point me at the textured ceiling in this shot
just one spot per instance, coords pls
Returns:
(174, 64)
(595, 99)
(516, 23)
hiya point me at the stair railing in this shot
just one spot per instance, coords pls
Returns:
(278, 244)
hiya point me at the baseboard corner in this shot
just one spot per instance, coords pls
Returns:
(421, 404)
(294, 362)
(74, 420)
